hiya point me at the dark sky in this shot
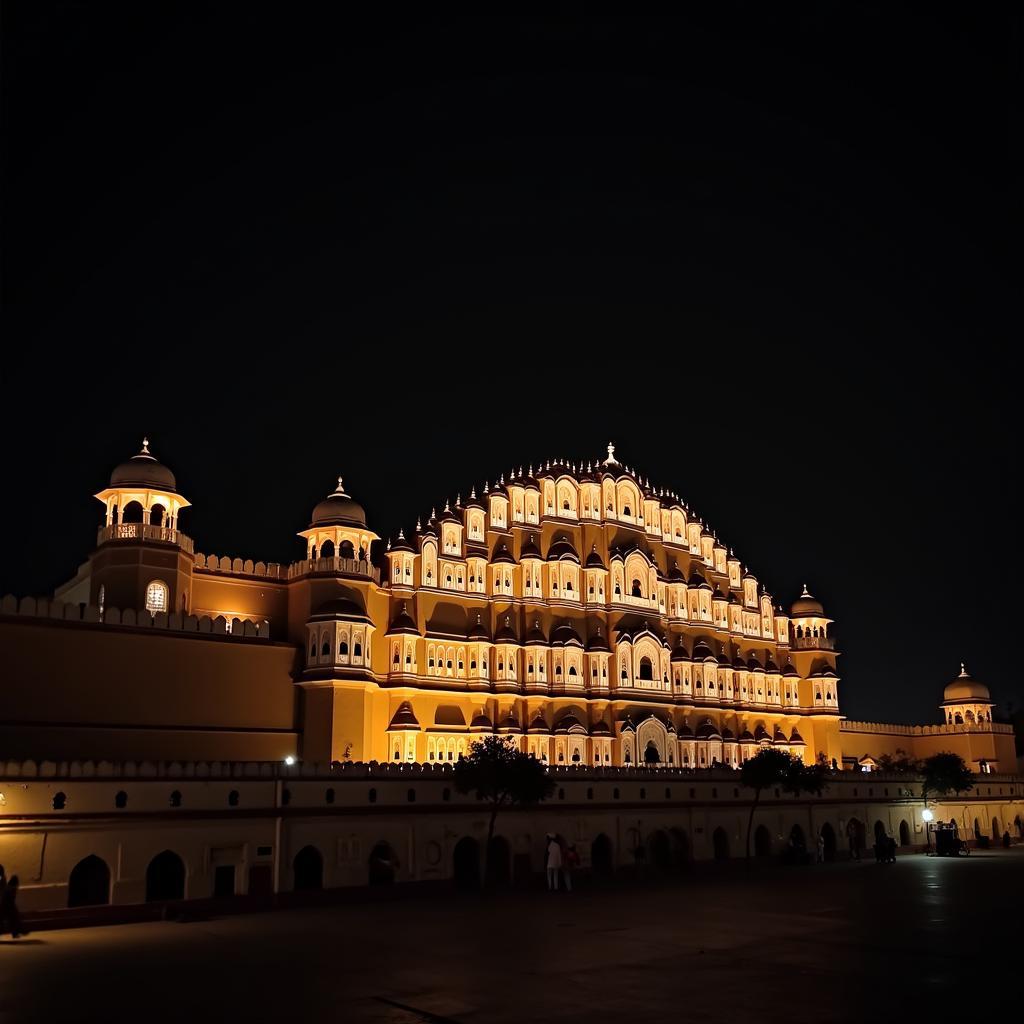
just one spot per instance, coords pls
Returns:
(768, 255)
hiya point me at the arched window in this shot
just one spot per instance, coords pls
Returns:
(646, 669)
(157, 594)
(637, 591)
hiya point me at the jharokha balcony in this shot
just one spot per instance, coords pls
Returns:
(811, 643)
(335, 566)
(144, 532)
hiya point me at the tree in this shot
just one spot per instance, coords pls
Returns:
(898, 761)
(945, 773)
(503, 776)
(777, 768)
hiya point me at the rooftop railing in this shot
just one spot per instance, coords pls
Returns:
(144, 532)
(341, 566)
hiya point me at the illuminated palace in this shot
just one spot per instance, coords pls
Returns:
(576, 608)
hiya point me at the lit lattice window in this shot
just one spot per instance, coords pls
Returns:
(156, 597)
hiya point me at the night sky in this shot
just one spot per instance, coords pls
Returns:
(768, 255)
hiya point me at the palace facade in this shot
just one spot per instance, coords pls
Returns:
(590, 616)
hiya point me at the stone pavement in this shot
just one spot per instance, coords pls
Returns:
(916, 940)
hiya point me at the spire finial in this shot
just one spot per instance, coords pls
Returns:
(806, 592)
(963, 670)
(611, 454)
(145, 447)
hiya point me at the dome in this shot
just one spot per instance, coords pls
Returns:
(805, 604)
(143, 470)
(964, 688)
(404, 717)
(565, 634)
(529, 549)
(478, 631)
(338, 509)
(403, 623)
(562, 549)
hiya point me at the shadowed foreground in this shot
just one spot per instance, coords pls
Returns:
(839, 942)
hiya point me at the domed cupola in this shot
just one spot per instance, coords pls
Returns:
(142, 502)
(337, 537)
(144, 470)
(806, 605)
(966, 701)
(339, 509)
(808, 623)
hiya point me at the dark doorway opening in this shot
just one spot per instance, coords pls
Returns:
(382, 864)
(602, 861)
(720, 844)
(165, 878)
(466, 863)
(224, 881)
(308, 868)
(89, 884)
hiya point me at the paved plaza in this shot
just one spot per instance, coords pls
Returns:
(838, 942)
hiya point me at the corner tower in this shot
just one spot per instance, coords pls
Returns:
(142, 560)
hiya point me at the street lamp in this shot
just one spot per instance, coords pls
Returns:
(927, 817)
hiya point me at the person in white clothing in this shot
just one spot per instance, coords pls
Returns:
(554, 861)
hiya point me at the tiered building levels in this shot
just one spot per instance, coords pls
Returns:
(594, 618)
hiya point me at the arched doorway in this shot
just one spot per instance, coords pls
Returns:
(651, 753)
(1020, 825)
(880, 833)
(995, 830)
(308, 869)
(904, 834)
(720, 843)
(680, 848)
(89, 883)
(499, 862)
(345, 549)
(133, 512)
(382, 864)
(602, 861)
(856, 836)
(327, 549)
(466, 863)
(762, 842)
(156, 515)
(828, 836)
(165, 878)
(659, 848)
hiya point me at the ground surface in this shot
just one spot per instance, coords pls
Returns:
(841, 942)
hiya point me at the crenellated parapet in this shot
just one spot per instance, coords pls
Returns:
(177, 622)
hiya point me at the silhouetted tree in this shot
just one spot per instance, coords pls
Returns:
(945, 773)
(503, 776)
(898, 761)
(777, 768)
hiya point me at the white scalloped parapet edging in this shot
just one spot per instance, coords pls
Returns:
(240, 567)
(176, 622)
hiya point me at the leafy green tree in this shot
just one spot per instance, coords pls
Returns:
(503, 776)
(769, 768)
(945, 773)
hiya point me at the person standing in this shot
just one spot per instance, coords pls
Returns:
(554, 862)
(571, 861)
(10, 919)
